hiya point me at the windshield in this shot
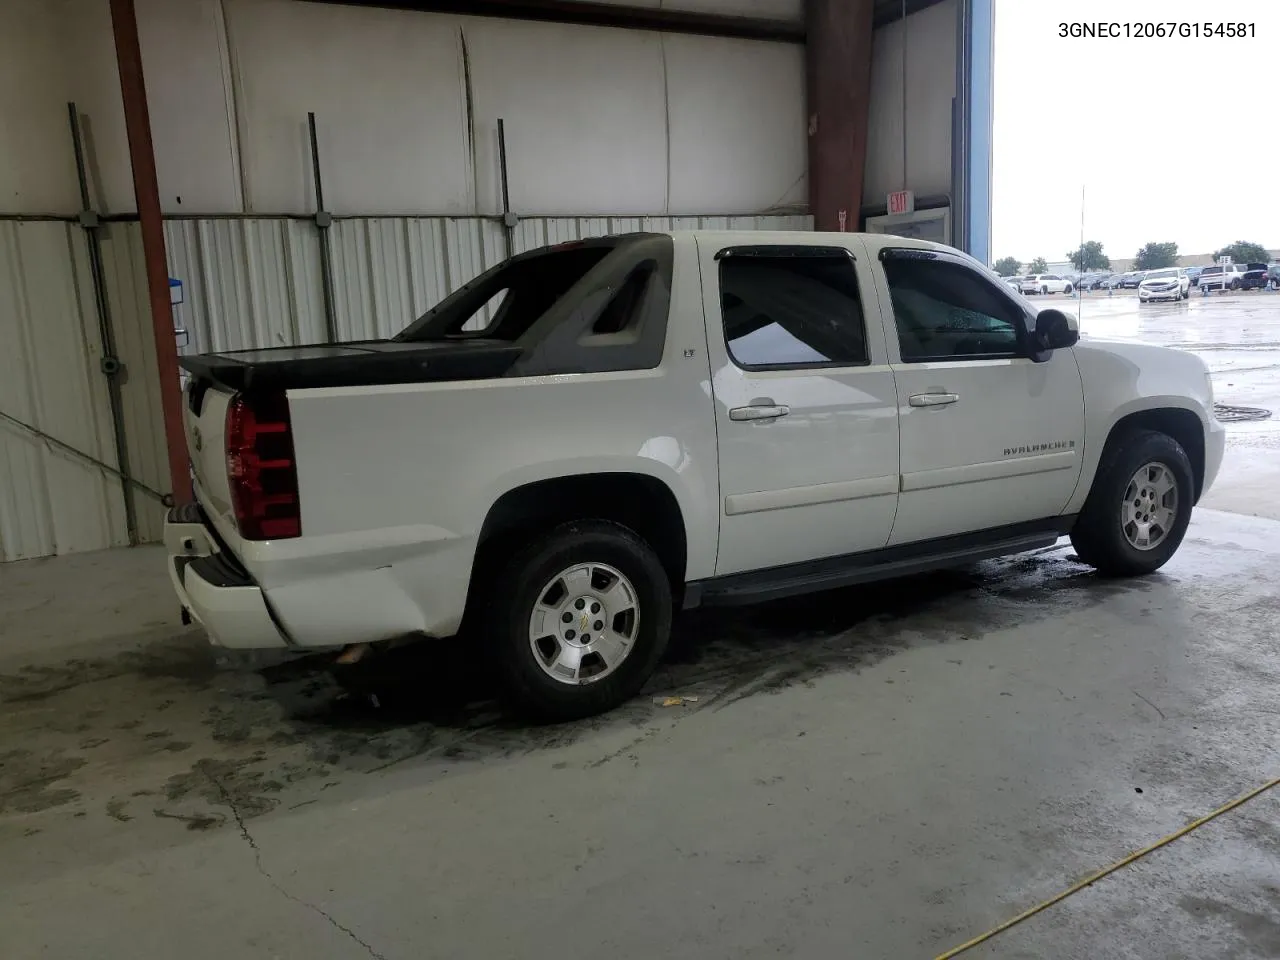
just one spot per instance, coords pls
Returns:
(1162, 274)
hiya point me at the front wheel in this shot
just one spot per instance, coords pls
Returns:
(1067, 289)
(1235, 284)
(578, 620)
(1139, 505)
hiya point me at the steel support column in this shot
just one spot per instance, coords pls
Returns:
(838, 69)
(133, 92)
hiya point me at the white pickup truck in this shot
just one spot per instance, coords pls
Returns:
(656, 421)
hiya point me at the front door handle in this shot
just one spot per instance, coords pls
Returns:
(760, 411)
(932, 399)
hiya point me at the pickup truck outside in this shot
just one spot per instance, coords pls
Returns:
(656, 421)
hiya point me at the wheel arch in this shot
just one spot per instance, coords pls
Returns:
(1180, 423)
(641, 502)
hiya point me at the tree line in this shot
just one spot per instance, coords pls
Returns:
(1152, 256)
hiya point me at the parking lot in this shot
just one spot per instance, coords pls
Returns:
(875, 772)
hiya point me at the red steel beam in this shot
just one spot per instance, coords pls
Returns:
(838, 78)
(133, 91)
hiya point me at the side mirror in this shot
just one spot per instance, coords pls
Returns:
(1055, 331)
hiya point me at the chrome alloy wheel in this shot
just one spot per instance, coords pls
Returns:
(584, 623)
(1150, 506)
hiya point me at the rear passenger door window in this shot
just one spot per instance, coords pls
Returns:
(785, 311)
(944, 310)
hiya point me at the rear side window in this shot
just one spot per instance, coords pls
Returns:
(792, 311)
(946, 311)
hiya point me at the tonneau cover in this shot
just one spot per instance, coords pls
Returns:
(354, 364)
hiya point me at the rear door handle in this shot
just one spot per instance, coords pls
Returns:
(932, 399)
(759, 412)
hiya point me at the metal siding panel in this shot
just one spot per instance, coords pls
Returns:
(246, 283)
(126, 278)
(51, 501)
(428, 265)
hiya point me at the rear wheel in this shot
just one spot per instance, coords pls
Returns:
(1067, 289)
(578, 620)
(1139, 506)
(1235, 284)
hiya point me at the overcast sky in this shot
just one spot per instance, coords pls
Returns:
(1120, 117)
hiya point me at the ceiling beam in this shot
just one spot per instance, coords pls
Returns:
(603, 15)
(889, 11)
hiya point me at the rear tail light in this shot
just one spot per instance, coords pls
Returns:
(261, 469)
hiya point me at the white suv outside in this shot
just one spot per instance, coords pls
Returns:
(1219, 277)
(1045, 283)
(1170, 283)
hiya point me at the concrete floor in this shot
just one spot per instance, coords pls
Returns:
(871, 773)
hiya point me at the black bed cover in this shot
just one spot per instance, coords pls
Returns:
(353, 364)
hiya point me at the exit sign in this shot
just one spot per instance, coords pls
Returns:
(902, 201)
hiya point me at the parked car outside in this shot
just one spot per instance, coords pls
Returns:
(1046, 283)
(1256, 277)
(1273, 274)
(1219, 277)
(1014, 283)
(1131, 280)
(1193, 274)
(1170, 283)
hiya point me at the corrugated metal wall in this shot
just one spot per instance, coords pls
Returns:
(50, 378)
(248, 282)
(125, 274)
(256, 282)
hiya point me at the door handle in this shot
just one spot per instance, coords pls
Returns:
(932, 399)
(759, 411)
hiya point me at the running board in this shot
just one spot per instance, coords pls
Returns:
(886, 564)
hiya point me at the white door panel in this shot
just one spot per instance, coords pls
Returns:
(818, 475)
(988, 437)
(1007, 450)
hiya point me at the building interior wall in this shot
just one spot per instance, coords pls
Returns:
(606, 130)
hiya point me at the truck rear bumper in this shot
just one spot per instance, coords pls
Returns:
(214, 588)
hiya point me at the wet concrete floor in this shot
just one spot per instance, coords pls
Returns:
(878, 772)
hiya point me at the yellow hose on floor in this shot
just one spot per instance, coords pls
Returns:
(1106, 871)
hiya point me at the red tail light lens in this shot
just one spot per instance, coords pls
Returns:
(261, 468)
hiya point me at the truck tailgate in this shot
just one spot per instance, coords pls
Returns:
(204, 417)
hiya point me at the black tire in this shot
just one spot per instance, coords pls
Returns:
(1235, 284)
(1067, 289)
(1098, 535)
(528, 688)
